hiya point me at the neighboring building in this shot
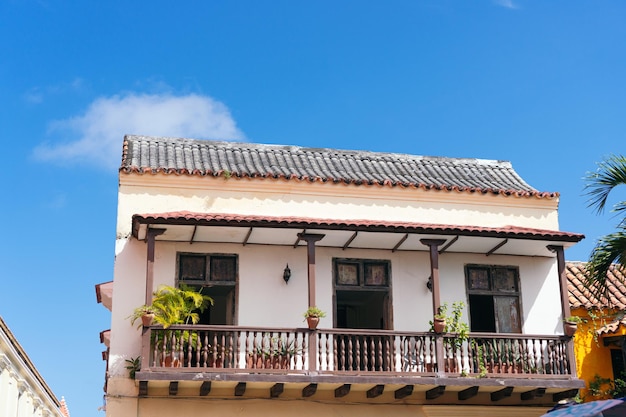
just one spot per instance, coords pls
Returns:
(599, 342)
(23, 391)
(379, 241)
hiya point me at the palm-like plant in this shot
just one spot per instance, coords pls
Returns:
(178, 305)
(611, 248)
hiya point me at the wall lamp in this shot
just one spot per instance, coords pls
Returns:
(287, 274)
(429, 284)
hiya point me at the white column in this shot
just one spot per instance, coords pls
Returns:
(8, 388)
(25, 401)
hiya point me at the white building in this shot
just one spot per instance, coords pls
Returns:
(378, 241)
(23, 391)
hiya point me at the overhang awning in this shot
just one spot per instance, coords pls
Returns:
(192, 227)
(104, 294)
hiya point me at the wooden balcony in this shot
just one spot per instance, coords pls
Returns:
(498, 365)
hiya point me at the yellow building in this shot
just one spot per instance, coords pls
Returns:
(599, 342)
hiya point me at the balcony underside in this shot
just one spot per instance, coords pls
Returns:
(355, 366)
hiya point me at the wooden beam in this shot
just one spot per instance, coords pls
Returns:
(436, 392)
(450, 243)
(375, 391)
(345, 245)
(564, 395)
(468, 393)
(240, 389)
(400, 242)
(403, 392)
(205, 388)
(173, 387)
(277, 389)
(533, 393)
(143, 388)
(342, 391)
(498, 246)
(245, 240)
(309, 390)
(193, 234)
(500, 394)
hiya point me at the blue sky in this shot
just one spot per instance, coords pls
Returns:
(539, 83)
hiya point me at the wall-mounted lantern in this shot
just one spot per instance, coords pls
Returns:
(287, 274)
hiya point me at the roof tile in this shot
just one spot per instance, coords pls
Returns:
(143, 154)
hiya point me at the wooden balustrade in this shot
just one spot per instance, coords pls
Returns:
(250, 349)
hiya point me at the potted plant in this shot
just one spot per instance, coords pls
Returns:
(145, 312)
(570, 325)
(313, 315)
(438, 325)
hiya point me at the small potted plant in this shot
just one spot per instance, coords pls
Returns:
(438, 325)
(145, 312)
(313, 315)
(570, 325)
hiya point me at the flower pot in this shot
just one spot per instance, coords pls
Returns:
(312, 322)
(439, 325)
(147, 319)
(569, 328)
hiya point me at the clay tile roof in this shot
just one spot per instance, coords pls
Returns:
(580, 296)
(64, 410)
(142, 154)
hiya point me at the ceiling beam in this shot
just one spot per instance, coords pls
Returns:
(342, 391)
(436, 392)
(375, 391)
(468, 393)
(450, 243)
(403, 392)
(498, 246)
(173, 387)
(295, 244)
(350, 239)
(247, 238)
(205, 388)
(309, 390)
(240, 389)
(533, 393)
(500, 394)
(143, 388)
(193, 234)
(277, 389)
(400, 242)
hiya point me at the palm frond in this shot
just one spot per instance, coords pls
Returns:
(610, 173)
(609, 249)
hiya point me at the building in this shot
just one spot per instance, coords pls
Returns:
(378, 241)
(599, 342)
(23, 391)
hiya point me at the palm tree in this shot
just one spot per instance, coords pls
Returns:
(611, 248)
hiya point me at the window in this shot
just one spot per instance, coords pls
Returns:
(494, 298)
(216, 274)
(362, 293)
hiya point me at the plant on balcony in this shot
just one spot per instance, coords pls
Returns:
(313, 315)
(570, 325)
(145, 313)
(133, 365)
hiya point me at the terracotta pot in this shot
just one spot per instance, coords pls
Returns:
(147, 319)
(312, 322)
(570, 328)
(439, 325)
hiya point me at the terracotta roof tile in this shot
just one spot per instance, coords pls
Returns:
(581, 296)
(185, 217)
(142, 154)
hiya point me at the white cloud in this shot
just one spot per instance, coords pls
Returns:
(36, 95)
(98, 133)
(509, 4)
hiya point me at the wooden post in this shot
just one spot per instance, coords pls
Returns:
(151, 235)
(434, 274)
(565, 308)
(310, 240)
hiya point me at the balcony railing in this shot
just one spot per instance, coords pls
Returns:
(352, 351)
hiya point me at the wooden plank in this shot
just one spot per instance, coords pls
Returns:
(504, 392)
(564, 395)
(342, 391)
(436, 392)
(468, 393)
(277, 389)
(173, 387)
(309, 390)
(205, 388)
(375, 391)
(403, 392)
(240, 389)
(143, 388)
(534, 393)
